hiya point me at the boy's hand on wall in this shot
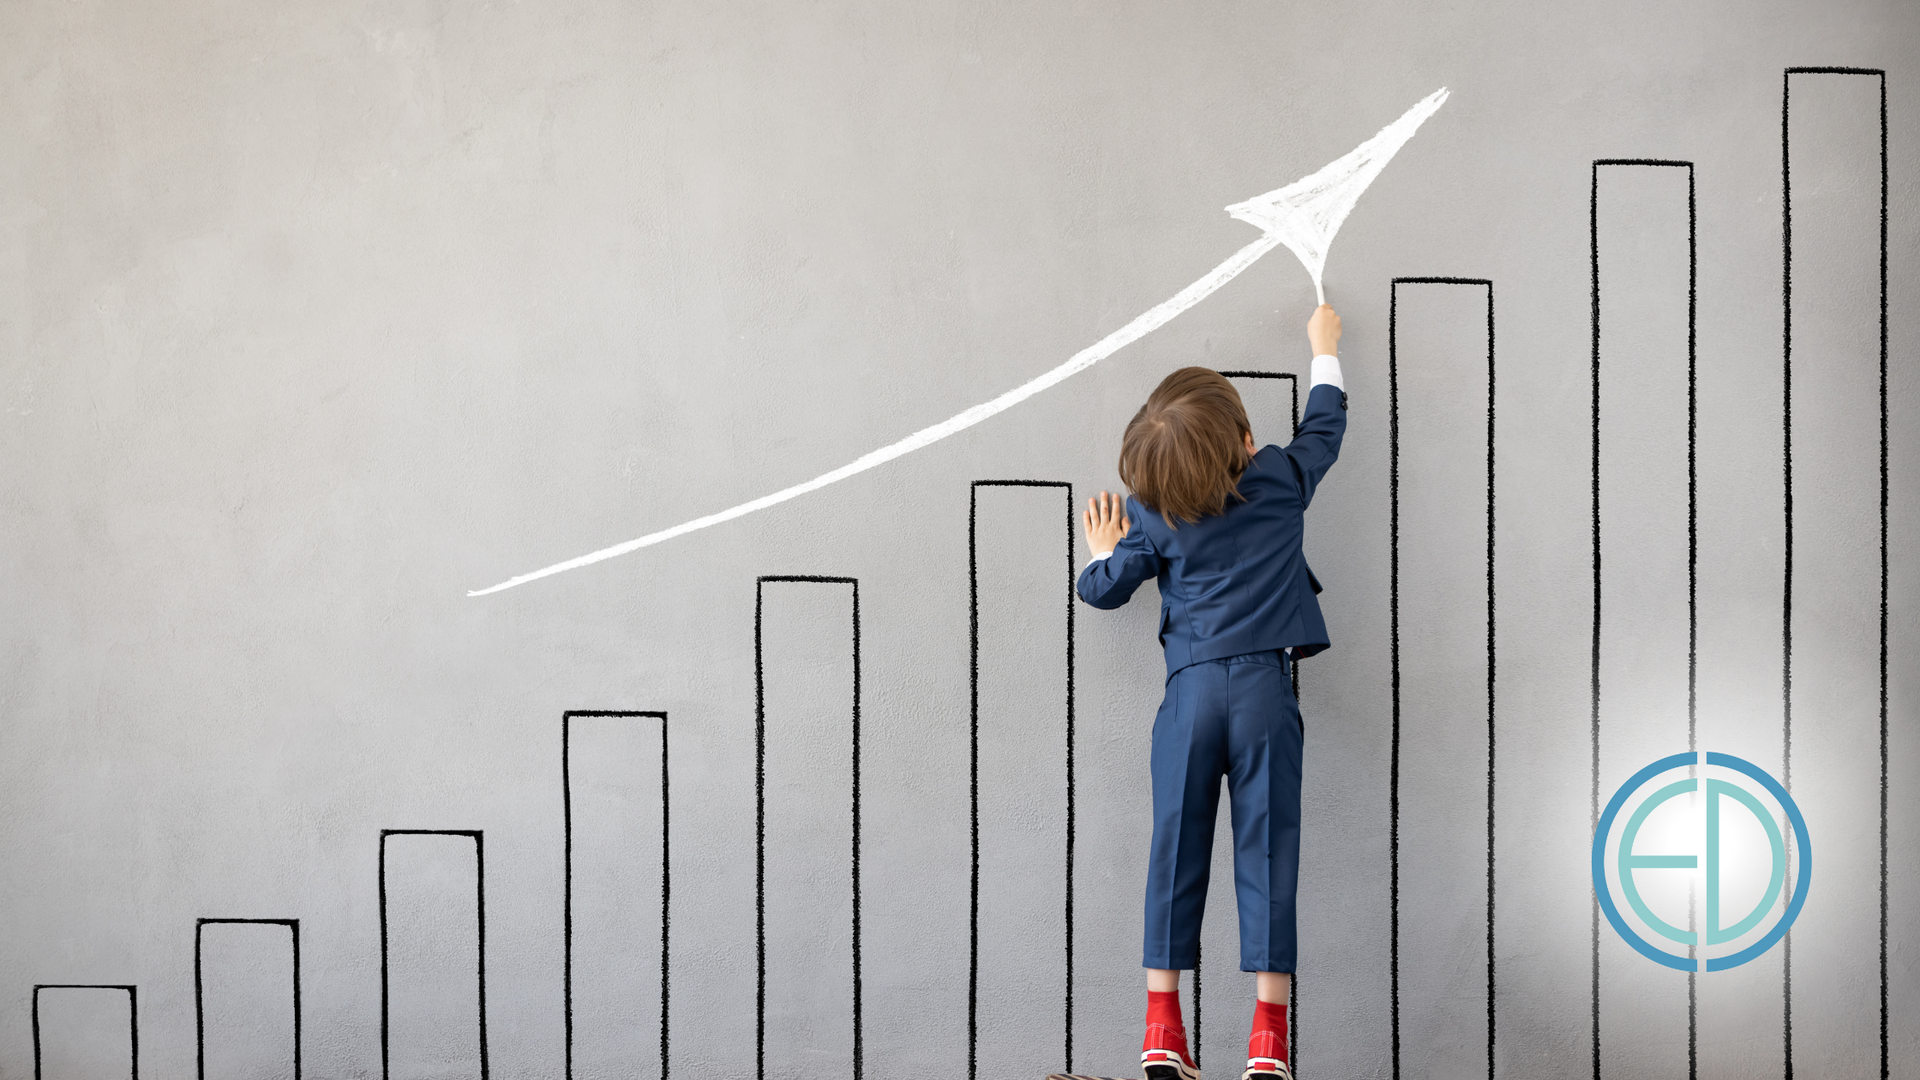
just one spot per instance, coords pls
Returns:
(1323, 331)
(1106, 522)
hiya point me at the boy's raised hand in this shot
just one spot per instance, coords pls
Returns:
(1106, 522)
(1323, 331)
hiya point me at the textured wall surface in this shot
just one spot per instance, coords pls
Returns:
(315, 316)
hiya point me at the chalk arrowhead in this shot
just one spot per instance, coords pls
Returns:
(1306, 214)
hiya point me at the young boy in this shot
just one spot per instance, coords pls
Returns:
(1219, 526)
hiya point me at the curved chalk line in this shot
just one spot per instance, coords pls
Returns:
(1304, 216)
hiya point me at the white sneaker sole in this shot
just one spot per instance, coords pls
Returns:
(1170, 1059)
(1266, 1067)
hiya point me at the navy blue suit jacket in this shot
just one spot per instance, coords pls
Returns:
(1234, 582)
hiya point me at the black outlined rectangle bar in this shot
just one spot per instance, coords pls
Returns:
(200, 985)
(133, 1024)
(1643, 678)
(857, 1049)
(1261, 433)
(1293, 385)
(573, 807)
(1221, 927)
(1258, 422)
(480, 913)
(1482, 519)
(1837, 594)
(1067, 795)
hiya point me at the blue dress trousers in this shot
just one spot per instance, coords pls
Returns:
(1236, 718)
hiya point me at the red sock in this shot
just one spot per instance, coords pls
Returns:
(1269, 1038)
(1165, 1029)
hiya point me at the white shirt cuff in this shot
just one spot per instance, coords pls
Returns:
(1096, 559)
(1326, 369)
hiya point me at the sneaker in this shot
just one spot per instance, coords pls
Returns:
(1266, 1069)
(1168, 1065)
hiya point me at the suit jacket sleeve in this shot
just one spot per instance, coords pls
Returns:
(1110, 582)
(1317, 445)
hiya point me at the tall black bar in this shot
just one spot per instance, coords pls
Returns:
(1396, 768)
(1817, 676)
(666, 876)
(199, 986)
(1223, 863)
(1654, 694)
(480, 905)
(760, 815)
(973, 587)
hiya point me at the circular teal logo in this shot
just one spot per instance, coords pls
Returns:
(1734, 812)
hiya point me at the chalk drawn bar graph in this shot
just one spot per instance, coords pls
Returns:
(82, 1040)
(1441, 645)
(616, 910)
(1030, 773)
(251, 1036)
(807, 758)
(1642, 251)
(1834, 741)
(422, 969)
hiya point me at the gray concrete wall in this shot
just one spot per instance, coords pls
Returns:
(314, 317)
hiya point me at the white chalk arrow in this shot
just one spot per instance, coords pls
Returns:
(1304, 215)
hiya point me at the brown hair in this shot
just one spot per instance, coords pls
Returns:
(1185, 449)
